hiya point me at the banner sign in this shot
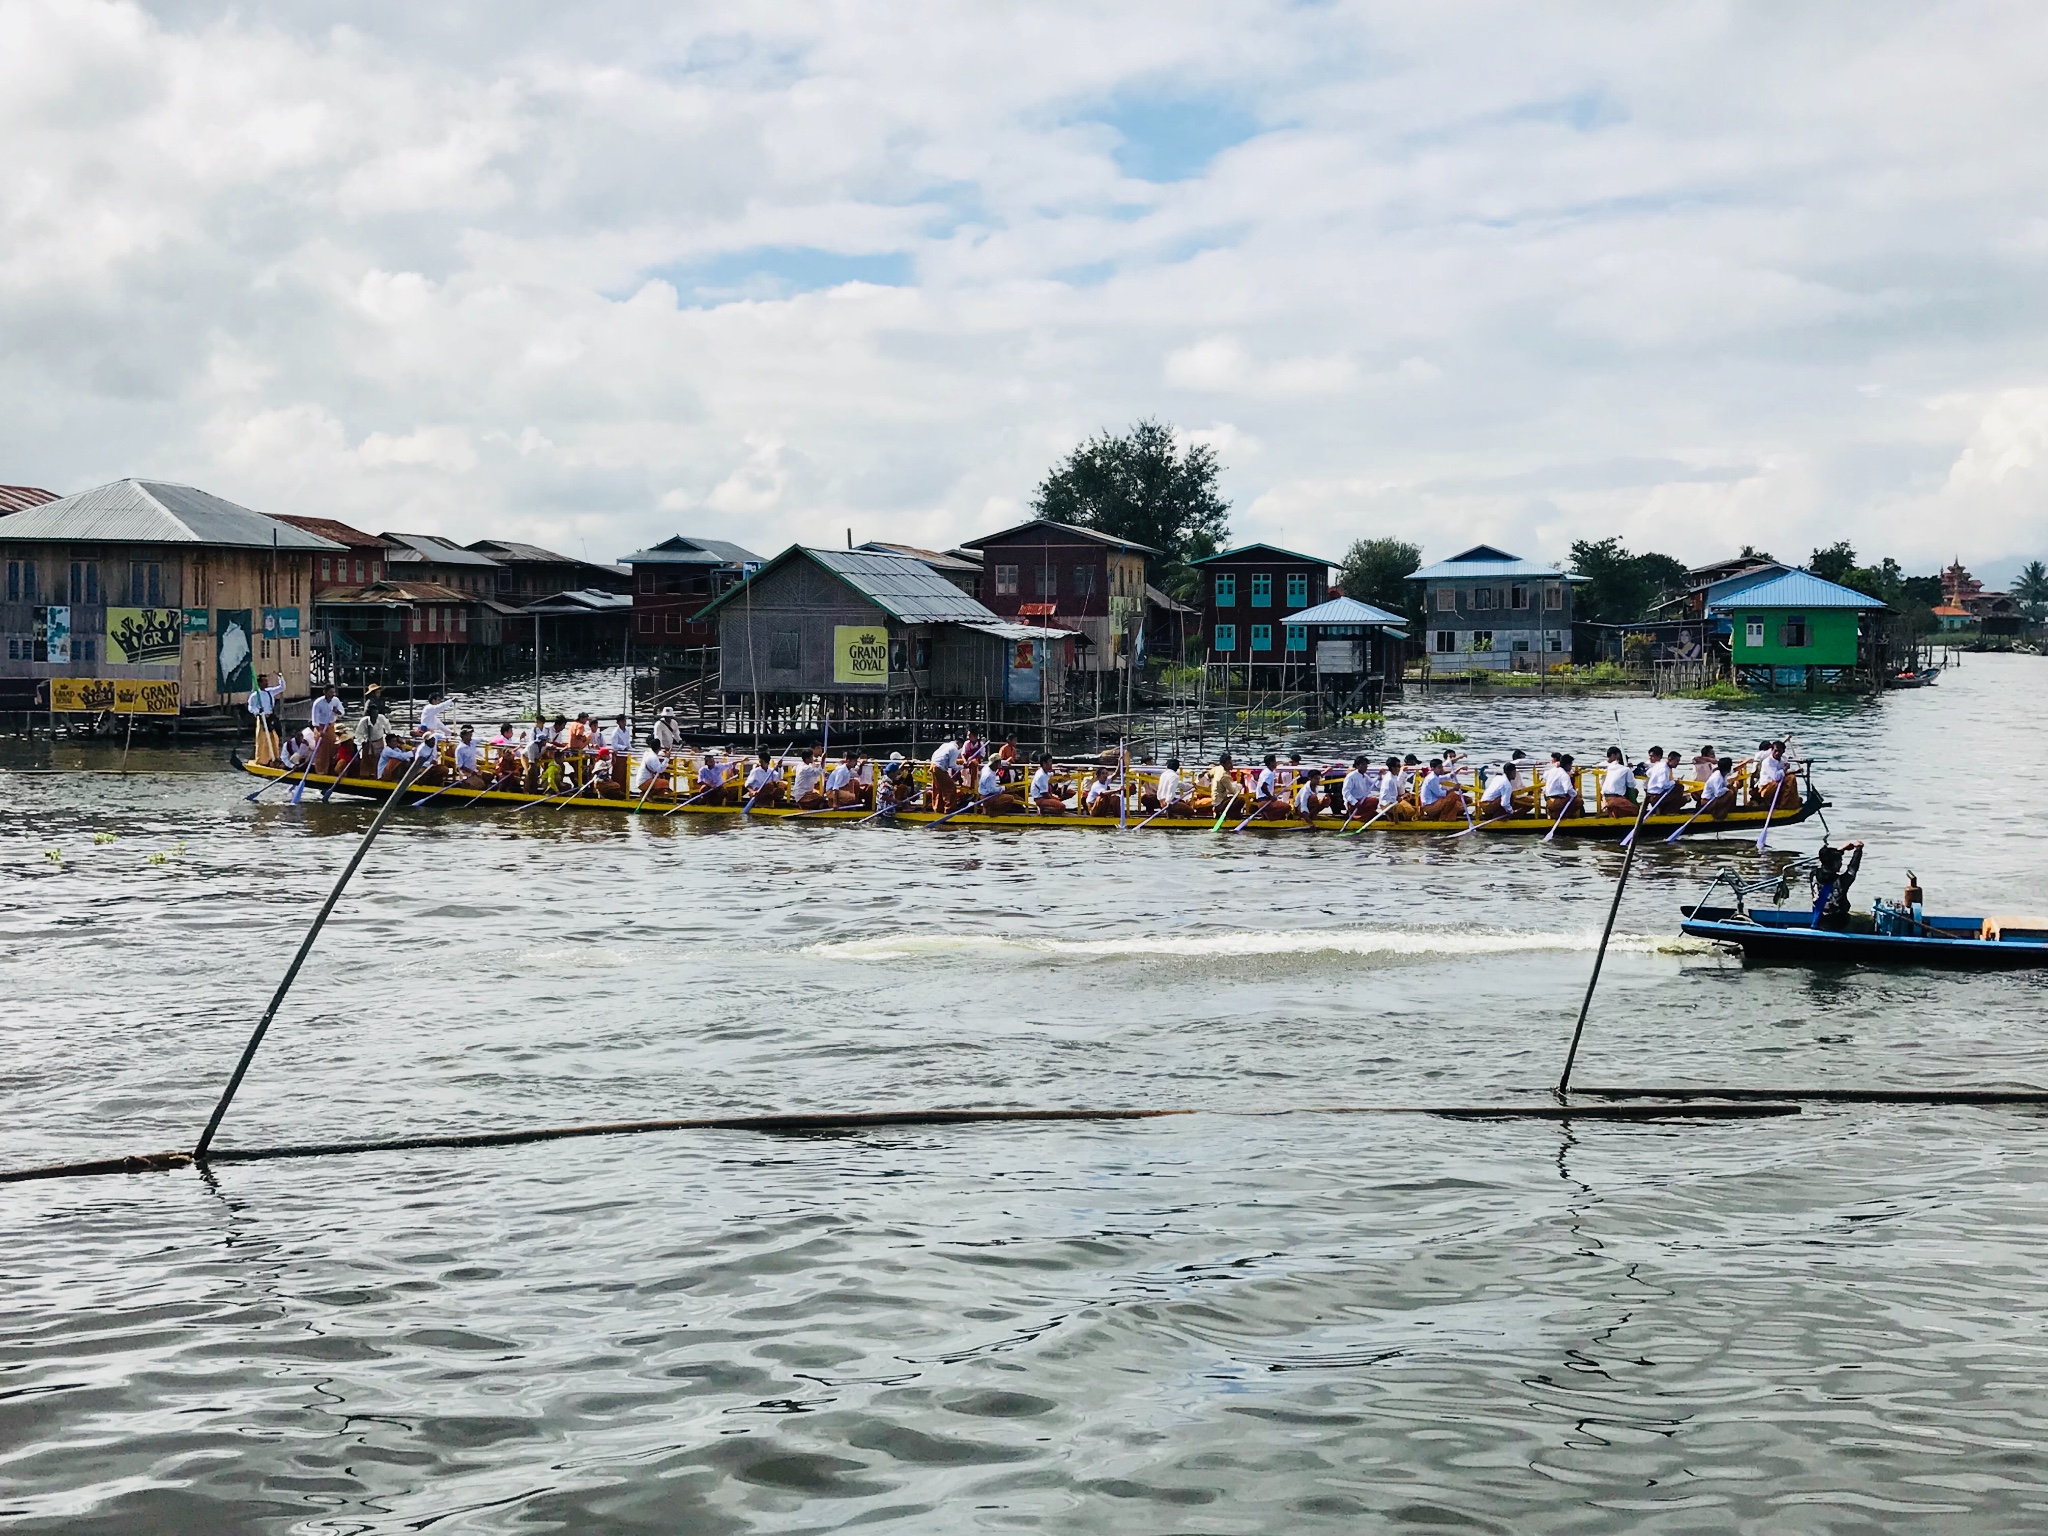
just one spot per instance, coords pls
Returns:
(860, 655)
(53, 635)
(280, 623)
(234, 654)
(196, 622)
(1024, 679)
(122, 695)
(144, 637)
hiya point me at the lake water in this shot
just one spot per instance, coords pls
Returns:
(1241, 1320)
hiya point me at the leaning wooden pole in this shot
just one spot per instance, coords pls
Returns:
(1564, 1082)
(412, 771)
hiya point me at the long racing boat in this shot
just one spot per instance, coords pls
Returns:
(603, 796)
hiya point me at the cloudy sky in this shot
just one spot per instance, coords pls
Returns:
(1696, 275)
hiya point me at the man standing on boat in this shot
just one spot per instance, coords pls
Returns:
(326, 716)
(433, 719)
(263, 705)
(945, 788)
(667, 734)
(1831, 884)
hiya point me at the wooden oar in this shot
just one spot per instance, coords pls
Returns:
(887, 810)
(535, 805)
(423, 799)
(747, 805)
(1570, 800)
(1769, 811)
(264, 789)
(1224, 815)
(1375, 819)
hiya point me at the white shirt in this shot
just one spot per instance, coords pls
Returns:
(1263, 785)
(1615, 779)
(947, 757)
(990, 782)
(1099, 789)
(712, 773)
(1434, 788)
(1715, 787)
(1305, 792)
(760, 775)
(1770, 768)
(666, 734)
(543, 736)
(839, 778)
(620, 740)
(1660, 777)
(1500, 790)
(430, 719)
(1358, 788)
(1390, 786)
(1169, 787)
(1041, 784)
(263, 701)
(326, 711)
(1558, 781)
(651, 765)
(466, 754)
(807, 777)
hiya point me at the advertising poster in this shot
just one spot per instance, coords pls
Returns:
(57, 635)
(144, 637)
(280, 623)
(196, 622)
(234, 651)
(860, 654)
(124, 696)
(1023, 681)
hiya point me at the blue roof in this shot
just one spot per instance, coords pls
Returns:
(1483, 562)
(1343, 610)
(1796, 589)
(1742, 581)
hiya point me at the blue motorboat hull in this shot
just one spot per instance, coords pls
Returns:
(1789, 937)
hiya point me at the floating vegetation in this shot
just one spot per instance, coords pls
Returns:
(1443, 734)
(54, 855)
(101, 839)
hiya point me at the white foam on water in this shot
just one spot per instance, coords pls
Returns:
(1363, 942)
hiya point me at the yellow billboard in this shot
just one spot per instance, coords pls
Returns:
(860, 655)
(122, 695)
(145, 637)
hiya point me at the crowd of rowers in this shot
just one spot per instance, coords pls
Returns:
(585, 757)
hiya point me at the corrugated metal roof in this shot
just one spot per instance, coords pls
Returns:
(156, 512)
(931, 557)
(903, 588)
(1342, 610)
(335, 529)
(1482, 562)
(532, 554)
(1791, 589)
(1020, 631)
(1245, 549)
(693, 551)
(433, 548)
(1045, 522)
(19, 498)
(582, 600)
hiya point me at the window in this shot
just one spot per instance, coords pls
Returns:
(1792, 634)
(1262, 590)
(1518, 597)
(1226, 591)
(1753, 631)
(1084, 580)
(85, 581)
(83, 649)
(1482, 639)
(1553, 595)
(784, 650)
(21, 581)
(675, 624)
(646, 623)
(376, 571)
(1297, 634)
(327, 567)
(1226, 637)
(13, 592)
(1482, 597)
(1446, 600)
(1006, 581)
(1262, 636)
(433, 621)
(645, 580)
(1521, 645)
(921, 654)
(1048, 581)
(1445, 641)
(1556, 642)
(461, 623)
(146, 585)
(1297, 593)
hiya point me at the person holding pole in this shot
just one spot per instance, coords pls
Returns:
(326, 716)
(263, 705)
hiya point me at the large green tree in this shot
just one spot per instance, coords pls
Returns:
(2032, 589)
(1621, 588)
(1376, 571)
(1143, 486)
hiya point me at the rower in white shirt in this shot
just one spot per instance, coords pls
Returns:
(764, 785)
(995, 799)
(1560, 787)
(842, 784)
(652, 767)
(433, 718)
(945, 785)
(1045, 795)
(1499, 796)
(809, 792)
(1717, 795)
(1615, 782)
(468, 760)
(1307, 801)
(1359, 784)
(1660, 785)
(1170, 794)
(1438, 795)
(327, 713)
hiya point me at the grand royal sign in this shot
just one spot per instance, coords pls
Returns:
(860, 654)
(121, 695)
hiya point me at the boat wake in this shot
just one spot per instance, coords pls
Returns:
(1362, 942)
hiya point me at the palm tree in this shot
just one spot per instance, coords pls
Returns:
(2032, 589)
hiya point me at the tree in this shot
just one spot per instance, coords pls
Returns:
(1620, 587)
(1376, 571)
(1144, 487)
(1834, 562)
(2032, 589)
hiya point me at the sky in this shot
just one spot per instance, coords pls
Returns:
(1697, 276)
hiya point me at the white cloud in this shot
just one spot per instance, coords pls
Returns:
(1697, 277)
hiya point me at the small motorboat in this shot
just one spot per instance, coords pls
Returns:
(1908, 678)
(1890, 933)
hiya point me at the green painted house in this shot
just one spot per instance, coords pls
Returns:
(1793, 629)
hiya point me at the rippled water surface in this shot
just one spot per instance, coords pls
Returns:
(1238, 1320)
